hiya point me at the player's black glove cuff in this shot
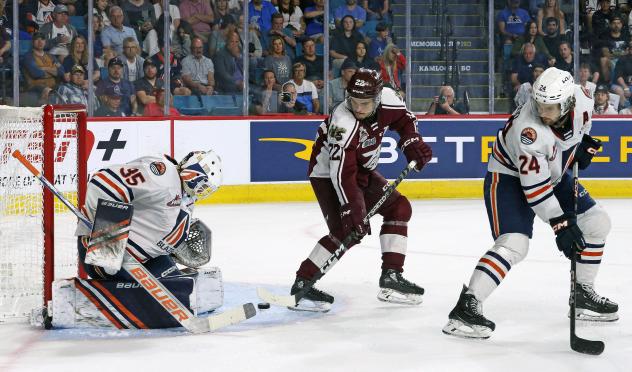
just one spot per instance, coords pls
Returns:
(568, 236)
(586, 151)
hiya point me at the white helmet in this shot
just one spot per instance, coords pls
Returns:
(201, 173)
(555, 86)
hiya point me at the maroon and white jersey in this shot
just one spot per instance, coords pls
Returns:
(347, 150)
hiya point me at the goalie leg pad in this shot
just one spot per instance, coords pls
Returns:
(79, 303)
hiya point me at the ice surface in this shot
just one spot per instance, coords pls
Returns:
(263, 244)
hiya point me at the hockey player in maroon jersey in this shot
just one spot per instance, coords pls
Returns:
(342, 171)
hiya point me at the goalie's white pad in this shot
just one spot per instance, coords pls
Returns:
(79, 303)
(108, 238)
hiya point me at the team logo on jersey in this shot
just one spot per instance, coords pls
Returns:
(336, 132)
(528, 136)
(175, 202)
(158, 168)
(364, 135)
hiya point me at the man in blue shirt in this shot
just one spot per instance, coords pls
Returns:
(357, 12)
(379, 43)
(260, 12)
(116, 82)
(511, 21)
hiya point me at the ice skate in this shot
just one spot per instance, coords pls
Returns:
(394, 288)
(467, 320)
(314, 300)
(593, 307)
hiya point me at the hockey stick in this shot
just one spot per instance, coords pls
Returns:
(579, 344)
(148, 281)
(292, 300)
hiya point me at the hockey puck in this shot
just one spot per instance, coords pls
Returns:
(263, 305)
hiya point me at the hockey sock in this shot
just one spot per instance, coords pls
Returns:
(489, 272)
(393, 241)
(589, 262)
(320, 254)
(595, 224)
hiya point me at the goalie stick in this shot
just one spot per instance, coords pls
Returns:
(149, 282)
(292, 300)
(579, 344)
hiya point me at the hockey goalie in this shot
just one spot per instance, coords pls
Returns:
(143, 208)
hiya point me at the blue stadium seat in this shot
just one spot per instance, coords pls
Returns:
(78, 22)
(25, 47)
(209, 103)
(188, 105)
(227, 111)
(320, 49)
(299, 48)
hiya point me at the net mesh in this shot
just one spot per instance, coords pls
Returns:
(21, 208)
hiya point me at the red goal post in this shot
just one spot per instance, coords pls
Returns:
(37, 241)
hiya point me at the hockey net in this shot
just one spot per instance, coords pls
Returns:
(36, 230)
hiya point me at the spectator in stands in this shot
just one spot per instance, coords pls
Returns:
(511, 21)
(59, 33)
(38, 11)
(175, 77)
(566, 61)
(602, 106)
(97, 27)
(392, 65)
(305, 90)
(122, 87)
(289, 104)
(266, 100)
(229, 78)
(113, 36)
(5, 43)
(444, 104)
(315, 20)
(350, 9)
(531, 36)
(139, 15)
(361, 60)
(314, 63)
(146, 86)
(622, 81)
(522, 68)
(101, 8)
(199, 14)
(379, 42)
(157, 108)
(286, 35)
(181, 45)
(602, 17)
(42, 71)
(612, 45)
(377, 10)
(292, 17)
(553, 39)
(79, 56)
(226, 25)
(278, 61)
(550, 9)
(198, 70)
(584, 75)
(174, 13)
(221, 9)
(526, 89)
(75, 91)
(111, 103)
(255, 51)
(343, 42)
(338, 86)
(260, 12)
(133, 68)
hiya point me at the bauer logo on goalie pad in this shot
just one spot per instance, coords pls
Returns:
(109, 235)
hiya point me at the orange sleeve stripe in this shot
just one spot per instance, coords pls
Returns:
(112, 185)
(176, 235)
(594, 254)
(540, 191)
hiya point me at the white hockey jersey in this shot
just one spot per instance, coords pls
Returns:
(162, 211)
(532, 151)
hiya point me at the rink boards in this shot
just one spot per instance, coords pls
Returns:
(266, 159)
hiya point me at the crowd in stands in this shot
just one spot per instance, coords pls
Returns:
(285, 51)
(535, 34)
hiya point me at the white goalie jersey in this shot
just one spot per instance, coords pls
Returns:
(534, 152)
(162, 212)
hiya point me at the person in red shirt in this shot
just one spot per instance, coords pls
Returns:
(158, 108)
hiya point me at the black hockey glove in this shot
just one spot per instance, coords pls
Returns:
(352, 222)
(568, 236)
(586, 151)
(415, 148)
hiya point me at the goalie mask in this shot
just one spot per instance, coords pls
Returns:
(553, 95)
(201, 173)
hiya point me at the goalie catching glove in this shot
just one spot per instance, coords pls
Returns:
(196, 249)
(415, 148)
